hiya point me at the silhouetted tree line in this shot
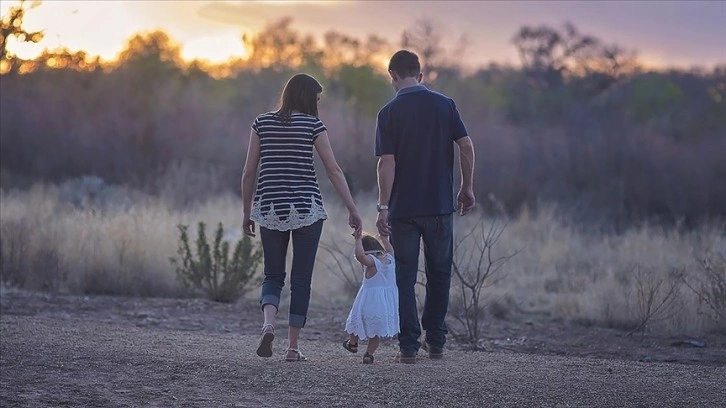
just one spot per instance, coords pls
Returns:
(579, 124)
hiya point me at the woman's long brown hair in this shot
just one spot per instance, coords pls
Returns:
(299, 95)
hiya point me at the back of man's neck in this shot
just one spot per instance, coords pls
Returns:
(406, 83)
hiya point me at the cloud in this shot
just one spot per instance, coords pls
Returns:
(239, 15)
(182, 19)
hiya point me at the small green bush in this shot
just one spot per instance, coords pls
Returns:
(212, 271)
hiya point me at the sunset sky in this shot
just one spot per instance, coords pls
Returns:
(676, 33)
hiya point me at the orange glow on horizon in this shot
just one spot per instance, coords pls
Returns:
(211, 31)
(66, 25)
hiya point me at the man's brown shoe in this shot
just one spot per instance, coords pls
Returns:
(435, 353)
(405, 359)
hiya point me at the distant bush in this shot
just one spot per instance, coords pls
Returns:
(29, 260)
(14, 249)
(221, 278)
(576, 126)
(709, 285)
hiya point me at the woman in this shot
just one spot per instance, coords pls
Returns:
(287, 202)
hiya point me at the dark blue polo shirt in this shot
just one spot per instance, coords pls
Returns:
(419, 127)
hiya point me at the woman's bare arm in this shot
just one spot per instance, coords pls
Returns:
(249, 177)
(337, 178)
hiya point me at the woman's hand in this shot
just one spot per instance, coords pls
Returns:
(248, 226)
(355, 222)
(357, 234)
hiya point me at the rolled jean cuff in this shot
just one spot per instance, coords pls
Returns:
(270, 300)
(297, 320)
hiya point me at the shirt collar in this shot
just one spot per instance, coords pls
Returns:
(410, 89)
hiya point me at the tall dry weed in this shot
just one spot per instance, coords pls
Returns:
(560, 271)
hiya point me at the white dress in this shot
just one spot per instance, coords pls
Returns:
(375, 308)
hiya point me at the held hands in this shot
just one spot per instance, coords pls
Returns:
(357, 234)
(465, 200)
(355, 222)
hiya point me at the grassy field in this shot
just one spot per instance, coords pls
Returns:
(646, 278)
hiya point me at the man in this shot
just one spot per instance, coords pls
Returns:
(415, 136)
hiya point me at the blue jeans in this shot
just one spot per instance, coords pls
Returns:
(304, 248)
(438, 239)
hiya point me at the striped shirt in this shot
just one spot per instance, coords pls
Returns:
(288, 196)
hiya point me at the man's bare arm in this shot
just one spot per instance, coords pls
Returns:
(386, 173)
(465, 199)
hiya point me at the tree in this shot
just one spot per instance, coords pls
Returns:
(12, 27)
(278, 46)
(425, 38)
(154, 48)
(341, 49)
(549, 56)
(65, 59)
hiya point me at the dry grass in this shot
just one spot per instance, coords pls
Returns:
(559, 271)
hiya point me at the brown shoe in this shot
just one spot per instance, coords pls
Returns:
(435, 353)
(405, 359)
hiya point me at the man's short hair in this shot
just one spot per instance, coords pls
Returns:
(405, 64)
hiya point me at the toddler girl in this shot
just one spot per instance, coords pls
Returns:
(374, 313)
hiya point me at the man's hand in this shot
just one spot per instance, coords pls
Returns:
(465, 200)
(382, 223)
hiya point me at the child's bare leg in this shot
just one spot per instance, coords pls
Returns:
(353, 340)
(373, 343)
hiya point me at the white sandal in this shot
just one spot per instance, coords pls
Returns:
(265, 347)
(298, 355)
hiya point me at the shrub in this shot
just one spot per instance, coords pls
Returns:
(657, 296)
(221, 278)
(14, 251)
(342, 264)
(709, 285)
(475, 266)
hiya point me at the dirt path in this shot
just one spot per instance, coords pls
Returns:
(93, 357)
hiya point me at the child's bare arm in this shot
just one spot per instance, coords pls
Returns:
(360, 253)
(387, 244)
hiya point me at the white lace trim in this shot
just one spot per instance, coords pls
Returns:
(271, 220)
(384, 326)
